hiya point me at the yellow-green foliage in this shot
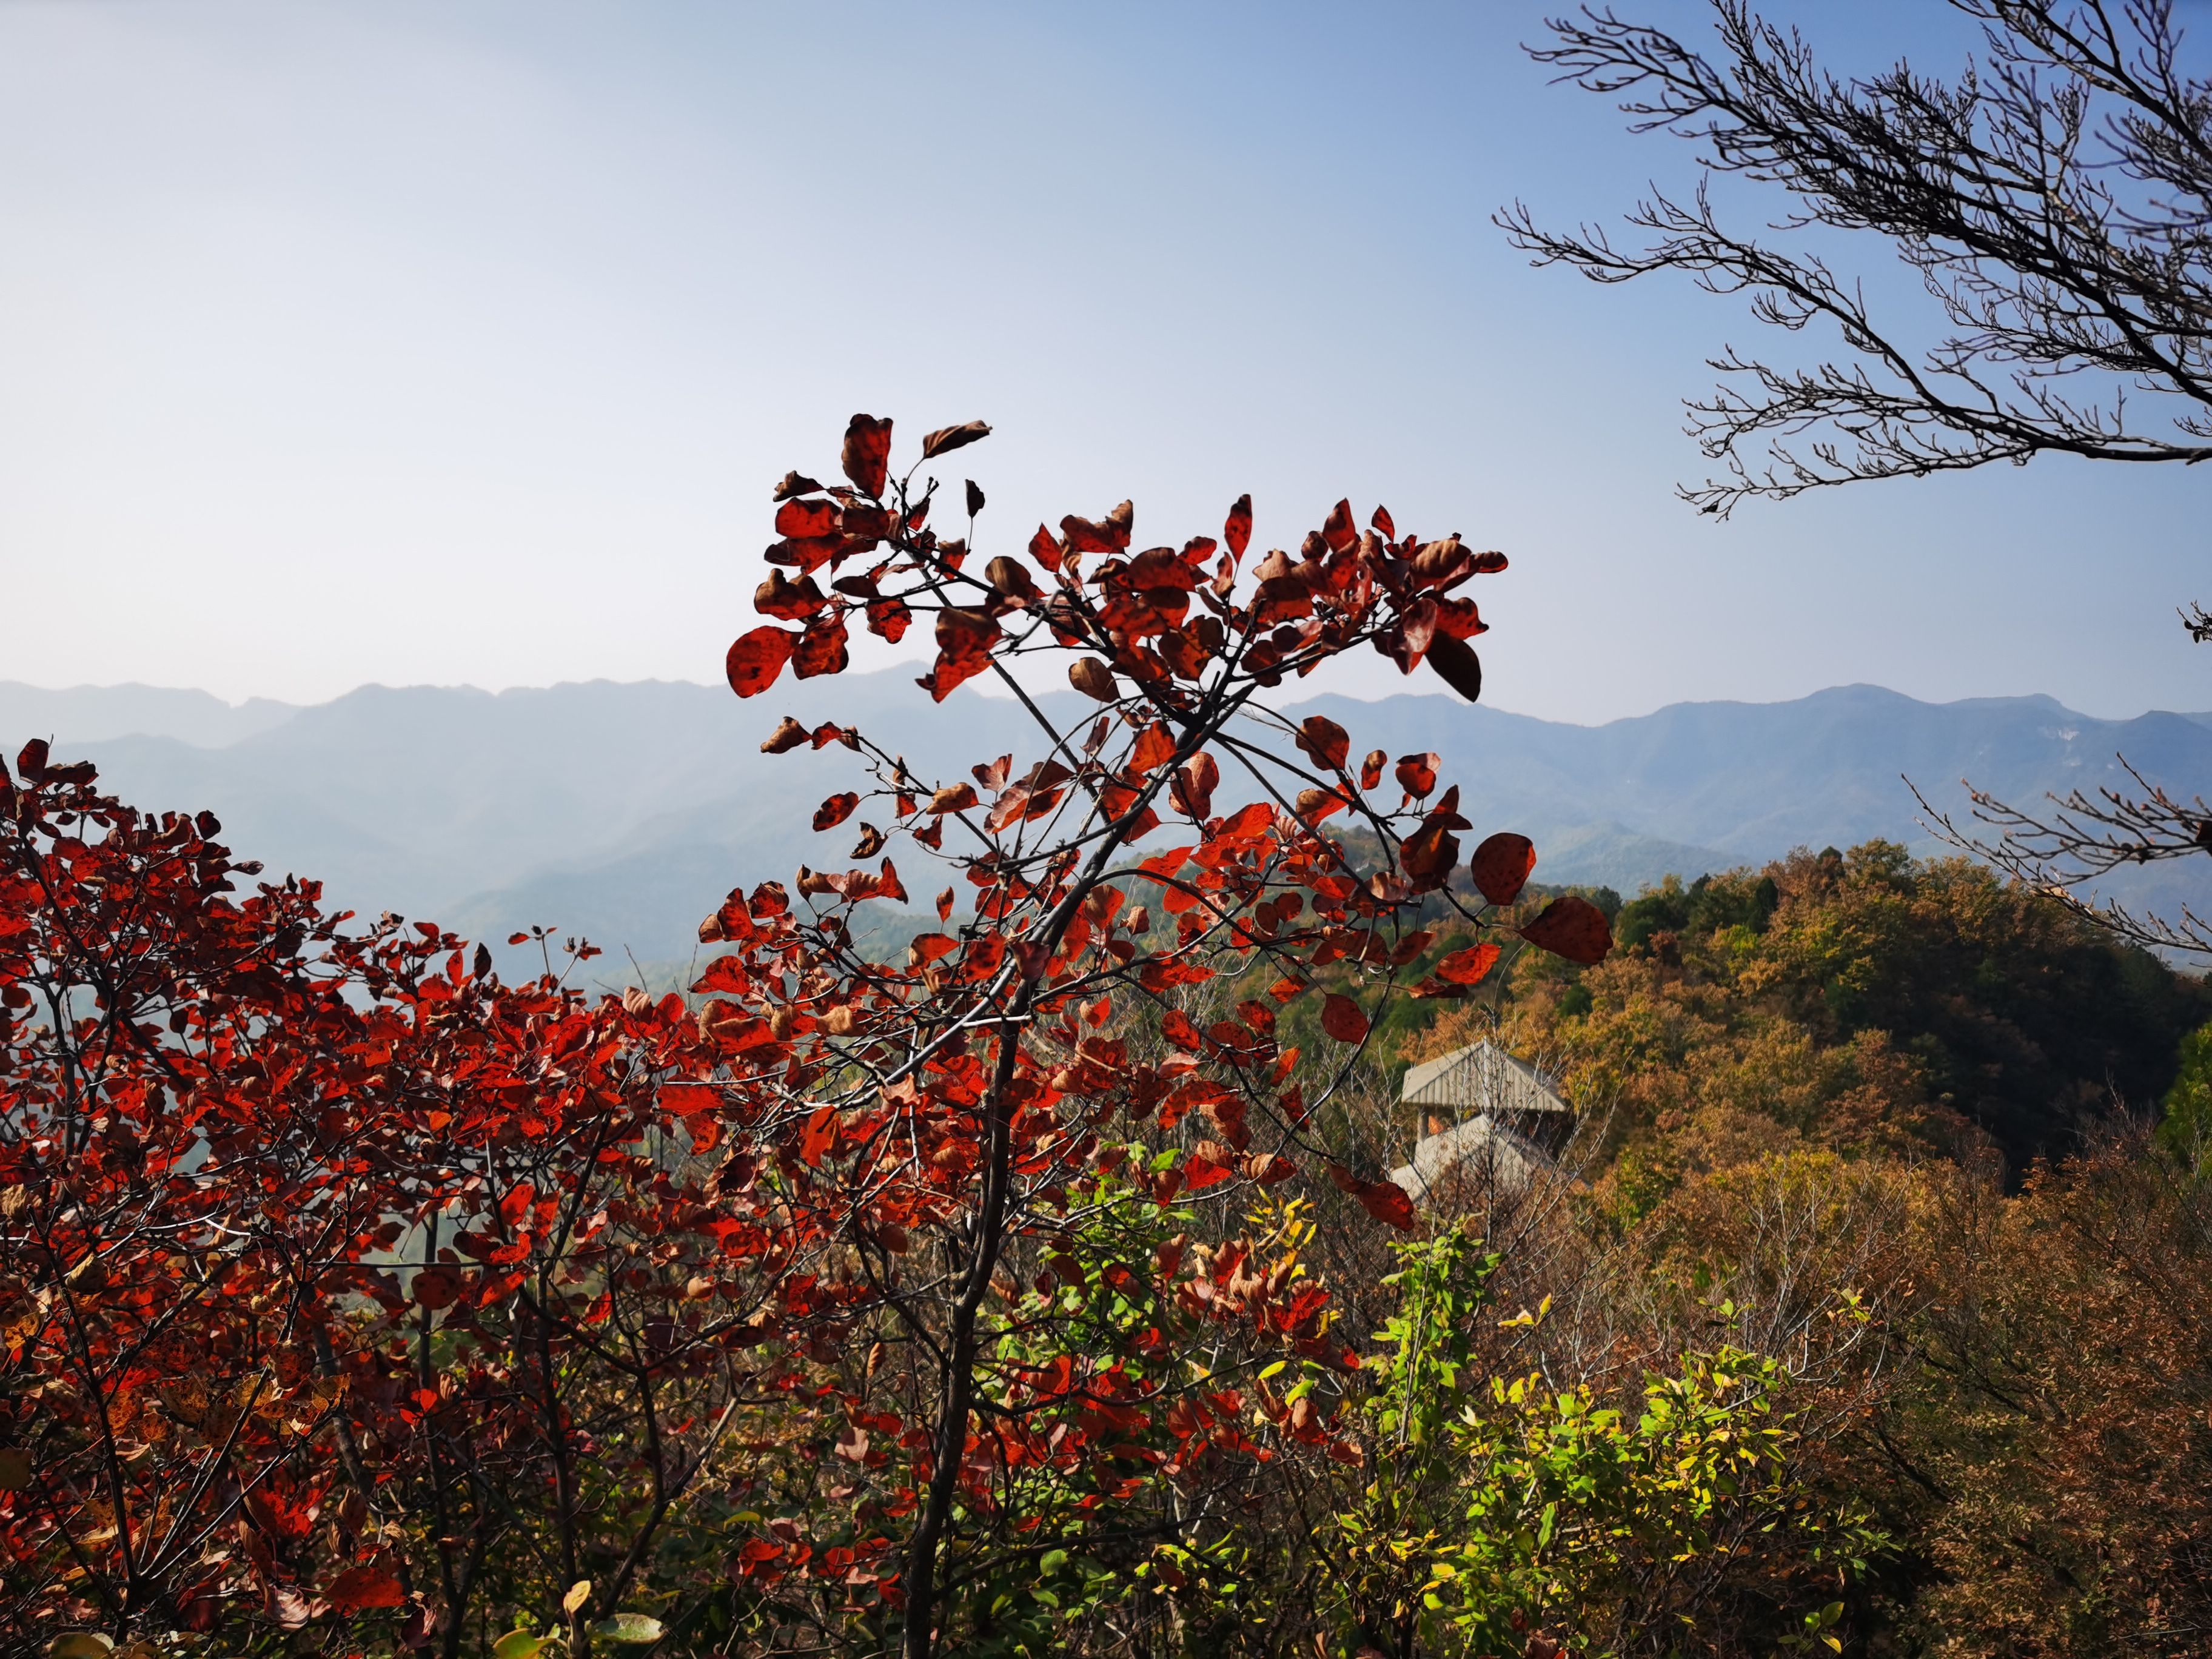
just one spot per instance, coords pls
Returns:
(1858, 1002)
(1503, 1505)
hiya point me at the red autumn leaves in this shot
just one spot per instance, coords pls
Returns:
(1340, 1016)
(1146, 632)
(756, 659)
(1571, 927)
(1164, 615)
(1142, 626)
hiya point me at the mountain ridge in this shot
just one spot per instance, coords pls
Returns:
(624, 810)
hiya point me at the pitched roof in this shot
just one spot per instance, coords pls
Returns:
(1480, 1078)
(1469, 1157)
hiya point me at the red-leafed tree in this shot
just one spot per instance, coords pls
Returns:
(994, 1128)
(171, 1194)
(343, 1281)
(860, 1303)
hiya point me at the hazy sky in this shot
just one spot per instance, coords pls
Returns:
(462, 343)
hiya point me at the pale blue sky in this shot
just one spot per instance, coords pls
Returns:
(461, 342)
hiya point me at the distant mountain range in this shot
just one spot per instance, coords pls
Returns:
(625, 811)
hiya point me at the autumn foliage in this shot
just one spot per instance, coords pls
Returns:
(352, 1288)
(1007, 1260)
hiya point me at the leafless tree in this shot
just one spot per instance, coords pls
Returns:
(2078, 838)
(2055, 200)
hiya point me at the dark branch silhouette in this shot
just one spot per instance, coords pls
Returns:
(2081, 838)
(2055, 200)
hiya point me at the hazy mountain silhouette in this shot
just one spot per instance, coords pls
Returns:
(624, 811)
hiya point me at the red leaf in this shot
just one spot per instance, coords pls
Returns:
(867, 453)
(965, 635)
(835, 811)
(1341, 1019)
(1417, 774)
(1429, 854)
(1314, 805)
(1384, 526)
(1441, 565)
(1247, 823)
(1176, 1026)
(1571, 927)
(786, 600)
(1009, 808)
(1339, 532)
(1011, 578)
(756, 659)
(953, 798)
(1045, 550)
(1237, 532)
(865, 523)
(1469, 966)
(1370, 769)
(1461, 618)
(1195, 780)
(1324, 740)
(947, 675)
(820, 649)
(358, 1589)
(1211, 1164)
(821, 1129)
(1385, 1201)
(1092, 676)
(1104, 536)
(806, 519)
(888, 619)
(946, 438)
(1456, 664)
(1155, 748)
(1501, 866)
(514, 1209)
(926, 948)
(785, 738)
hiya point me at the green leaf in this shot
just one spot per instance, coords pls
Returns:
(632, 1629)
(1054, 1562)
(80, 1644)
(519, 1645)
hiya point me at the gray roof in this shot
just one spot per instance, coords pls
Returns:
(1478, 1078)
(1471, 1156)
